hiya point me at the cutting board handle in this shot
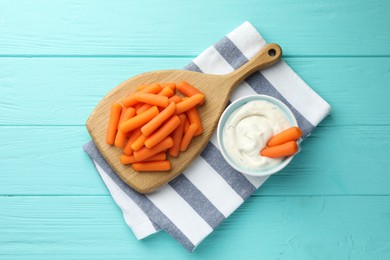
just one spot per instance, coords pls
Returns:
(267, 56)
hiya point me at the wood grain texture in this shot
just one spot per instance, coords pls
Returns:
(32, 98)
(216, 88)
(152, 28)
(263, 228)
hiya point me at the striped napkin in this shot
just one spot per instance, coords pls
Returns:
(191, 206)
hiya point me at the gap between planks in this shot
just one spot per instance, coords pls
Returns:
(154, 56)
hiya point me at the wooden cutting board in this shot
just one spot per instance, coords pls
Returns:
(217, 89)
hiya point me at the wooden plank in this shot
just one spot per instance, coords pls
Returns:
(59, 91)
(47, 160)
(64, 91)
(334, 160)
(133, 28)
(280, 227)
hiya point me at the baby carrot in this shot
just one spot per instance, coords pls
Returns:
(133, 136)
(143, 108)
(153, 124)
(120, 136)
(138, 120)
(175, 98)
(177, 136)
(145, 152)
(153, 89)
(140, 87)
(188, 90)
(165, 130)
(152, 99)
(290, 134)
(282, 150)
(122, 114)
(172, 85)
(193, 118)
(167, 92)
(127, 159)
(127, 113)
(189, 103)
(138, 106)
(130, 100)
(151, 166)
(138, 143)
(186, 125)
(188, 137)
(112, 127)
(157, 157)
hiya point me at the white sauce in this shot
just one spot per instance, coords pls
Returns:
(248, 130)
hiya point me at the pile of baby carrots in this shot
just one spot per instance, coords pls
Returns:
(153, 121)
(282, 144)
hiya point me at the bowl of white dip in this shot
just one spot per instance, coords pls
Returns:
(244, 129)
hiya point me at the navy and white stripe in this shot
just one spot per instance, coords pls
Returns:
(191, 206)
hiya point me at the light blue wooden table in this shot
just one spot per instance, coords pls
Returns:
(57, 60)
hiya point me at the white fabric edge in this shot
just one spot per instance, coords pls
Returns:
(134, 216)
(211, 62)
(187, 220)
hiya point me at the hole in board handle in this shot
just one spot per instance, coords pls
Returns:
(272, 52)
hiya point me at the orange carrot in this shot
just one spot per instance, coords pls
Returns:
(189, 103)
(290, 134)
(138, 106)
(166, 92)
(188, 137)
(175, 98)
(127, 114)
(112, 127)
(153, 89)
(126, 159)
(188, 90)
(138, 120)
(172, 85)
(282, 150)
(138, 143)
(194, 118)
(157, 157)
(151, 166)
(120, 136)
(122, 114)
(186, 125)
(152, 99)
(155, 121)
(143, 108)
(165, 130)
(177, 136)
(145, 152)
(133, 136)
(153, 124)
(130, 100)
(140, 87)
